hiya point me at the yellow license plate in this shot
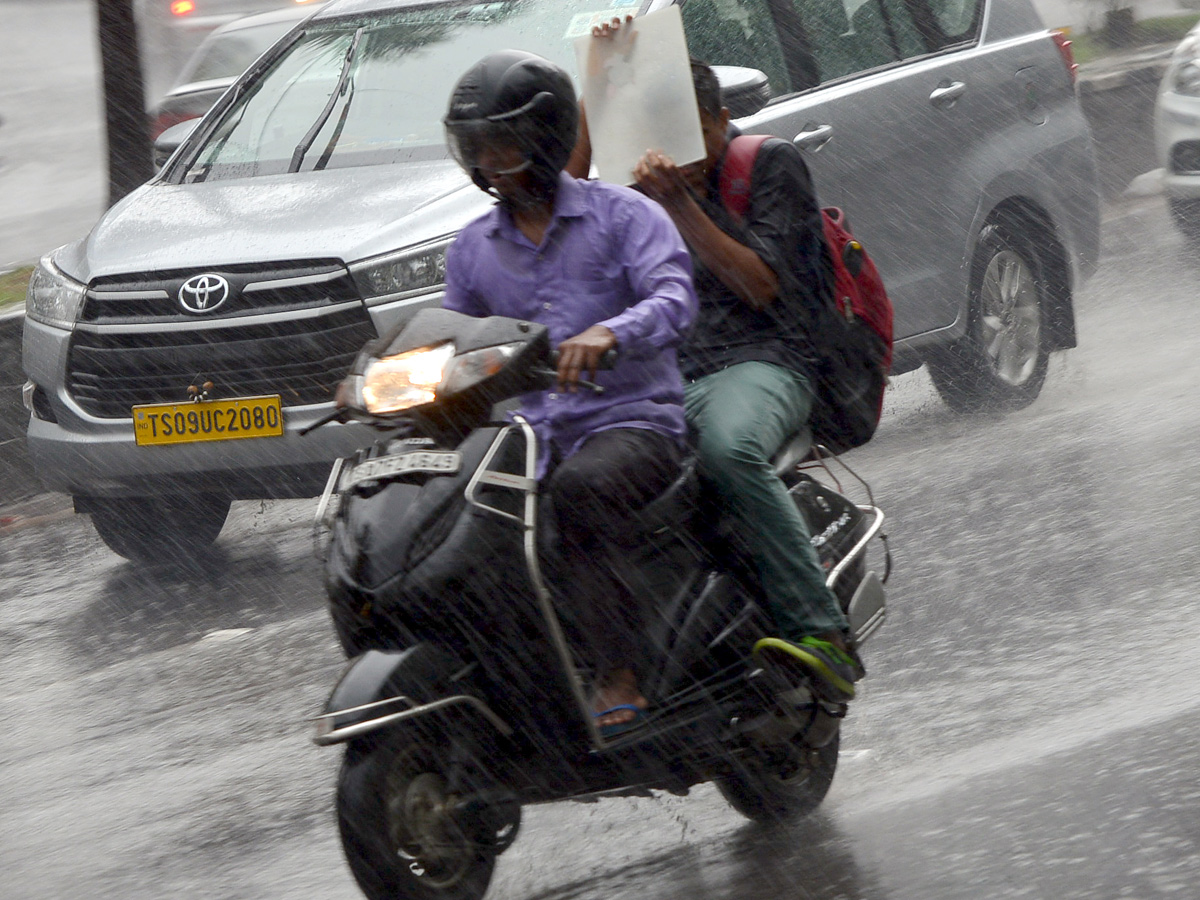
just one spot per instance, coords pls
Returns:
(209, 420)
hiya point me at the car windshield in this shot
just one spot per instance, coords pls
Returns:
(229, 54)
(372, 90)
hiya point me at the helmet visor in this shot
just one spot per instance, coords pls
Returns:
(489, 148)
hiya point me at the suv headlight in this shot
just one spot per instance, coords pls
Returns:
(1185, 63)
(52, 297)
(1186, 79)
(410, 271)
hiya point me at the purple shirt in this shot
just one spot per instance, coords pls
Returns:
(610, 256)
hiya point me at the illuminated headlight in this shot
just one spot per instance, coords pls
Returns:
(396, 383)
(403, 273)
(52, 297)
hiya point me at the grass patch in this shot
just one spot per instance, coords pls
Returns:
(1166, 29)
(12, 286)
(1160, 30)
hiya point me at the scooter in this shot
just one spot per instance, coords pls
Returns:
(466, 698)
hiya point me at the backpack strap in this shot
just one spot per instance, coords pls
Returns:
(734, 180)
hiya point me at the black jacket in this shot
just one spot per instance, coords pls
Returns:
(783, 226)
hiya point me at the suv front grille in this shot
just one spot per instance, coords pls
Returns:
(249, 290)
(302, 359)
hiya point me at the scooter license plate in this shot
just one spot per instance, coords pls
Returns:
(437, 462)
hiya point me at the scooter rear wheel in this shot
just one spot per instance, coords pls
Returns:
(397, 837)
(780, 786)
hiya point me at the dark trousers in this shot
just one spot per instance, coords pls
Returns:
(594, 493)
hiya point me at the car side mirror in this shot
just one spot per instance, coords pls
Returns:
(168, 142)
(744, 91)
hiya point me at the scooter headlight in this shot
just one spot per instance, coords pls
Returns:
(393, 384)
(472, 368)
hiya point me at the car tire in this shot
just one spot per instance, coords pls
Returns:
(1001, 362)
(158, 529)
(1186, 216)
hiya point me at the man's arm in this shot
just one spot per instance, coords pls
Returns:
(583, 353)
(580, 163)
(459, 297)
(659, 268)
(739, 267)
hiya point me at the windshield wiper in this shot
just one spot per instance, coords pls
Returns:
(337, 130)
(340, 88)
(193, 172)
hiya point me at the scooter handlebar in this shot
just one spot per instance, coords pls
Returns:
(337, 415)
(607, 361)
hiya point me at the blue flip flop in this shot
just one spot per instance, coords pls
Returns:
(616, 728)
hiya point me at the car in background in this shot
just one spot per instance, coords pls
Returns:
(310, 210)
(221, 57)
(169, 31)
(1177, 134)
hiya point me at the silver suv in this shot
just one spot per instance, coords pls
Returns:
(310, 210)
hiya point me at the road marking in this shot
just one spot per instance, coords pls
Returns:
(852, 755)
(1086, 728)
(10, 523)
(225, 634)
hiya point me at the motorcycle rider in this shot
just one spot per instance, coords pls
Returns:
(603, 268)
(747, 365)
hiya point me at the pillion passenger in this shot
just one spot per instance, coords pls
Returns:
(748, 366)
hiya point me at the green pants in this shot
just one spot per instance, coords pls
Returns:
(741, 416)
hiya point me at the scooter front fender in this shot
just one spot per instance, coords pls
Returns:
(381, 688)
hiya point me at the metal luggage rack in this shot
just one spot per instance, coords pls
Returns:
(819, 460)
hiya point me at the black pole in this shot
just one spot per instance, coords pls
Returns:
(128, 137)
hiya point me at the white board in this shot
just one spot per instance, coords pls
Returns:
(638, 94)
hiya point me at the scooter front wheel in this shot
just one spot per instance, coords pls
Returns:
(781, 783)
(398, 835)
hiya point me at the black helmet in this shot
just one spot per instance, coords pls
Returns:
(514, 97)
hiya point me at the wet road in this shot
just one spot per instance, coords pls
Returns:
(1029, 727)
(52, 155)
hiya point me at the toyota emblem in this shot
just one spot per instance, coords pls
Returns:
(203, 293)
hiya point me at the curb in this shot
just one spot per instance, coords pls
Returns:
(1114, 80)
(1140, 68)
(12, 322)
(17, 478)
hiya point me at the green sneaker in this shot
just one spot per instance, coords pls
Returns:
(831, 671)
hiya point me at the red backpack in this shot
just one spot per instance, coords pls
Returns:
(854, 336)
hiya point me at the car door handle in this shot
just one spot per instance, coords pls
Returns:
(947, 93)
(814, 138)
